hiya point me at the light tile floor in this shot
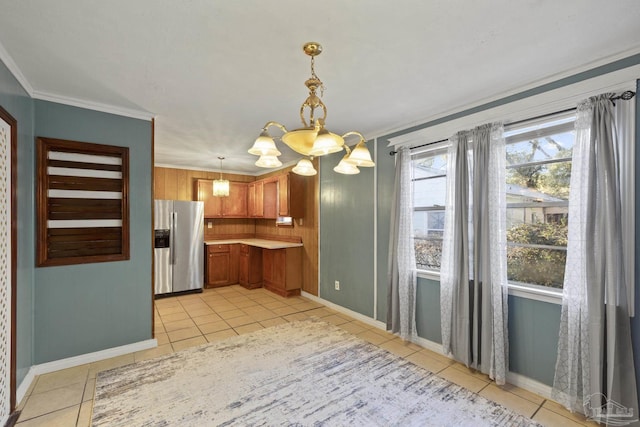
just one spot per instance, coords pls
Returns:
(65, 398)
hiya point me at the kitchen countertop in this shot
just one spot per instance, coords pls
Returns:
(261, 243)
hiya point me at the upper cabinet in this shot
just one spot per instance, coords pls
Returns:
(233, 206)
(269, 198)
(291, 196)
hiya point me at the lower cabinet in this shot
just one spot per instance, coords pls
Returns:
(282, 270)
(222, 265)
(250, 275)
(278, 270)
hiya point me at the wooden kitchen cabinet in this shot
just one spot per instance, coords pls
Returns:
(232, 206)
(282, 270)
(250, 275)
(222, 267)
(270, 198)
(255, 198)
(291, 197)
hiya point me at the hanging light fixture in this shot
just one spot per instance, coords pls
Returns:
(313, 139)
(221, 186)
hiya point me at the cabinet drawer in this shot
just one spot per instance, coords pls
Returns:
(217, 248)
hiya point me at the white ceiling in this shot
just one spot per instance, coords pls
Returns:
(214, 72)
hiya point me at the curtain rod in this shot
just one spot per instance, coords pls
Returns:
(625, 96)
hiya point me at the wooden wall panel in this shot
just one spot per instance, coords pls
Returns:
(308, 231)
(177, 184)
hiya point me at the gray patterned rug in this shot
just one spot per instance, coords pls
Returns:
(307, 373)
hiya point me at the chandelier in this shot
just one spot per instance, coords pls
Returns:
(221, 186)
(313, 139)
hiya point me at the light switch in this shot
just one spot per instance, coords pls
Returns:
(209, 224)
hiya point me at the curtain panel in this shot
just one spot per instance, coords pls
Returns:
(473, 273)
(594, 368)
(401, 296)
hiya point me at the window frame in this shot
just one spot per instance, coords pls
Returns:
(525, 290)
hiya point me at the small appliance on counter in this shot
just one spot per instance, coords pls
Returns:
(178, 246)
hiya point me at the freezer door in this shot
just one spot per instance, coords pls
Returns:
(188, 245)
(163, 270)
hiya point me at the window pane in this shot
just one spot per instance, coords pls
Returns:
(429, 189)
(538, 180)
(429, 192)
(537, 266)
(428, 252)
(430, 165)
(550, 147)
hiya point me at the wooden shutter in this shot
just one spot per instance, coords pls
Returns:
(82, 202)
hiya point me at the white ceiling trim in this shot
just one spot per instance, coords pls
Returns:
(547, 80)
(262, 171)
(522, 109)
(45, 96)
(96, 106)
(15, 70)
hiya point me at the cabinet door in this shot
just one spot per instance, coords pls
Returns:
(291, 195)
(234, 263)
(204, 193)
(283, 195)
(218, 265)
(270, 199)
(274, 267)
(243, 274)
(235, 205)
(256, 199)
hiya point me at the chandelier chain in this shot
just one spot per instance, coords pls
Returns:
(315, 76)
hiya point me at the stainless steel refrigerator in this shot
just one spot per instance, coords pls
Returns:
(178, 246)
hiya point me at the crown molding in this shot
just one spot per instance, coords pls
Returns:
(260, 172)
(550, 79)
(96, 106)
(8, 61)
(15, 70)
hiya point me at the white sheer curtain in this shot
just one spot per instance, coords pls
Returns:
(401, 297)
(595, 361)
(473, 275)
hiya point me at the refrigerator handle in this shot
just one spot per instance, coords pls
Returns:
(172, 237)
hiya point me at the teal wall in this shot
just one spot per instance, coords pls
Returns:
(428, 310)
(533, 330)
(533, 338)
(533, 325)
(347, 236)
(17, 102)
(90, 307)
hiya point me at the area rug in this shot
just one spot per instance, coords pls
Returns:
(306, 373)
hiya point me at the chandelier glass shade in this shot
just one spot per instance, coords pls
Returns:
(221, 186)
(313, 139)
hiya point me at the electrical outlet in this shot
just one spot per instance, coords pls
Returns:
(209, 224)
(337, 285)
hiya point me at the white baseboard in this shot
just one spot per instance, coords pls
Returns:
(513, 378)
(24, 385)
(361, 317)
(70, 362)
(527, 383)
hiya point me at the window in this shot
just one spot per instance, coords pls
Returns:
(429, 190)
(538, 157)
(537, 186)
